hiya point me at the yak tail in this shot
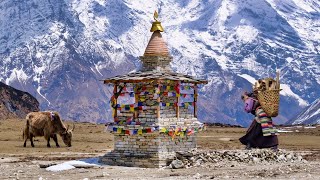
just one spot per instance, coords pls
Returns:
(26, 130)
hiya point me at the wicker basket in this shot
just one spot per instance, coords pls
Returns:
(269, 100)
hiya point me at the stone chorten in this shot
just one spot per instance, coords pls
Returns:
(154, 110)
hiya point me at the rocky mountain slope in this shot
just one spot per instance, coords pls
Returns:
(59, 50)
(311, 115)
(15, 103)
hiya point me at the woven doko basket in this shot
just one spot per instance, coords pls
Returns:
(269, 100)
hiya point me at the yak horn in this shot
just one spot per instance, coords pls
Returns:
(67, 127)
(73, 127)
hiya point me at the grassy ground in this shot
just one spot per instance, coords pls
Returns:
(91, 138)
(87, 138)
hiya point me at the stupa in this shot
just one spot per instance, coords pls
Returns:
(154, 110)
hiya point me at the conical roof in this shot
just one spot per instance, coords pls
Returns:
(155, 63)
(156, 46)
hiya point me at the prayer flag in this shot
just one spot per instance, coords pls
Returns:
(163, 130)
(119, 130)
(131, 109)
(113, 112)
(182, 134)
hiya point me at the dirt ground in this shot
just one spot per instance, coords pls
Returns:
(91, 140)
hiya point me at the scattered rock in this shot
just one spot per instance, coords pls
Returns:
(175, 174)
(84, 166)
(47, 164)
(255, 160)
(197, 176)
(224, 139)
(256, 156)
(177, 164)
(9, 160)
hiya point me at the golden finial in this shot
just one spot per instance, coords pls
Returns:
(155, 16)
(156, 26)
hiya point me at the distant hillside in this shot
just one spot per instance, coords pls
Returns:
(310, 115)
(15, 103)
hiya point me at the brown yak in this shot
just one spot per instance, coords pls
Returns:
(47, 124)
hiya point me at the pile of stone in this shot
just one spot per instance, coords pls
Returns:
(197, 157)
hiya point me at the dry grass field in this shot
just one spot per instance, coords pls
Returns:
(91, 140)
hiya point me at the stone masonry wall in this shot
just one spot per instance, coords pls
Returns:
(152, 149)
(150, 63)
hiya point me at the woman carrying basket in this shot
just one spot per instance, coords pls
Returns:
(261, 133)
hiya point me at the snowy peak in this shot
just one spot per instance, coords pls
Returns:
(311, 115)
(59, 50)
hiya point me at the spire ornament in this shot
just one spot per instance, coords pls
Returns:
(156, 26)
(155, 16)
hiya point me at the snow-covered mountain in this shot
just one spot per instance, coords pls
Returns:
(59, 50)
(311, 115)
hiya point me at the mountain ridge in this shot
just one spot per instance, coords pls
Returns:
(15, 103)
(59, 51)
(310, 115)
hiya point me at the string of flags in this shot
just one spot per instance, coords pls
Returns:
(127, 88)
(142, 105)
(156, 95)
(131, 90)
(172, 131)
(186, 87)
(126, 107)
(181, 132)
(129, 125)
(151, 83)
(174, 94)
(128, 121)
(128, 131)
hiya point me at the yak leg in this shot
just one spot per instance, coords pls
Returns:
(47, 137)
(25, 136)
(31, 140)
(25, 142)
(48, 141)
(54, 137)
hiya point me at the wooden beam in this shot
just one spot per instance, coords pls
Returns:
(178, 100)
(107, 81)
(115, 89)
(195, 98)
(136, 110)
